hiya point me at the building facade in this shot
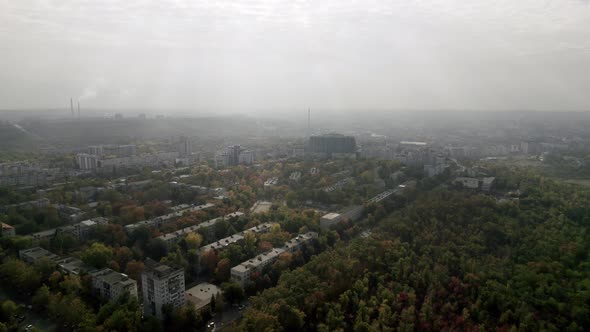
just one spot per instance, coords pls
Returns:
(162, 285)
(234, 155)
(331, 145)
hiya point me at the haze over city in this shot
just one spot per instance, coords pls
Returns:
(278, 56)
(294, 165)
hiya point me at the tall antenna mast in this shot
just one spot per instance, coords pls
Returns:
(78, 108)
(72, 106)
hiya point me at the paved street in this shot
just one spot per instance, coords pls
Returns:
(31, 317)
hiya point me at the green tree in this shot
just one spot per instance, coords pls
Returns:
(97, 255)
(156, 249)
(9, 309)
(193, 240)
(232, 292)
(41, 298)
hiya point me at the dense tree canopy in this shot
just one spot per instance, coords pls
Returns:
(451, 261)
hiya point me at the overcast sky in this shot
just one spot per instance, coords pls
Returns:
(289, 54)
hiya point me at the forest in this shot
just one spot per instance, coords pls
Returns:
(452, 260)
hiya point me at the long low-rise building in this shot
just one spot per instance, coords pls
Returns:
(100, 163)
(69, 265)
(171, 239)
(36, 204)
(79, 230)
(178, 211)
(220, 244)
(242, 273)
(73, 266)
(109, 284)
(36, 254)
(296, 243)
(381, 196)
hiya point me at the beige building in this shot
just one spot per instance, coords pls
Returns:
(200, 296)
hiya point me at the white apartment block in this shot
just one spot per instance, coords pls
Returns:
(207, 227)
(87, 161)
(79, 230)
(220, 244)
(296, 243)
(243, 272)
(161, 285)
(178, 211)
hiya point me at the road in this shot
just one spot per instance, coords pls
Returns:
(31, 317)
(228, 315)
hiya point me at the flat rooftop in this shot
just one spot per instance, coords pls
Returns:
(201, 294)
(413, 143)
(331, 215)
(160, 270)
(38, 253)
(74, 265)
(258, 260)
(112, 277)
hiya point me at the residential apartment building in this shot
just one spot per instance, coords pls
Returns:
(381, 196)
(243, 273)
(207, 227)
(34, 204)
(470, 183)
(161, 285)
(105, 163)
(296, 243)
(178, 211)
(234, 155)
(82, 229)
(109, 284)
(87, 161)
(34, 255)
(79, 230)
(235, 238)
(73, 266)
